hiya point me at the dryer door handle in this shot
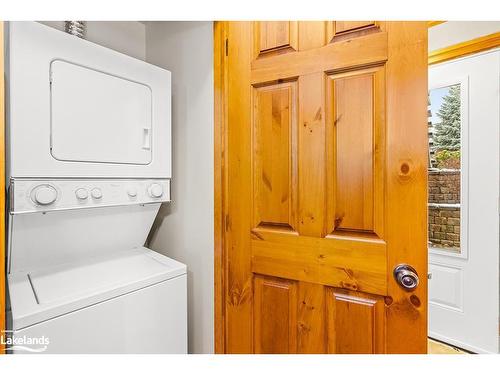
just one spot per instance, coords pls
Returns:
(146, 138)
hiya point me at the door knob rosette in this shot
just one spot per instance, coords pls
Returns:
(406, 276)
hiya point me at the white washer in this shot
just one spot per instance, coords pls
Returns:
(88, 140)
(130, 301)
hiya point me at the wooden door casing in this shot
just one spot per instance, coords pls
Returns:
(324, 186)
(2, 190)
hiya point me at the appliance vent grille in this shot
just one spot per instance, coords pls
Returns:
(76, 28)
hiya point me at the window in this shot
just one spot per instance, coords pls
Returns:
(445, 147)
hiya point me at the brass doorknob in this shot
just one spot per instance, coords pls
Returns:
(406, 276)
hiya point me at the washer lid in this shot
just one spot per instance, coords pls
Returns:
(46, 293)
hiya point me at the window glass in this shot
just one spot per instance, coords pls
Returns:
(444, 167)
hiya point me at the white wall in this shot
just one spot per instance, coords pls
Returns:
(128, 37)
(454, 32)
(184, 229)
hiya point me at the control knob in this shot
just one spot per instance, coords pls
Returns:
(44, 195)
(82, 193)
(132, 192)
(96, 193)
(155, 190)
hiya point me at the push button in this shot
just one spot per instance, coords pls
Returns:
(96, 193)
(82, 193)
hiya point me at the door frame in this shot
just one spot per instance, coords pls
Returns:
(220, 180)
(220, 67)
(2, 187)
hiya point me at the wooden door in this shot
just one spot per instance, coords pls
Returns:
(323, 169)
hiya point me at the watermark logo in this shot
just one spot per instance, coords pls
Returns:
(23, 343)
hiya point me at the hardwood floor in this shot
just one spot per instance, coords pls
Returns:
(436, 347)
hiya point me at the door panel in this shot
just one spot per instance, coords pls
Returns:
(344, 30)
(275, 315)
(275, 142)
(346, 26)
(447, 289)
(355, 323)
(356, 149)
(275, 35)
(353, 120)
(325, 187)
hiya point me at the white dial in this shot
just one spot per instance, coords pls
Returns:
(44, 195)
(132, 192)
(155, 190)
(96, 193)
(82, 193)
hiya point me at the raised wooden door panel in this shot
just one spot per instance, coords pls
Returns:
(346, 30)
(325, 188)
(272, 37)
(356, 152)
(347, 26)
(274, 155)
(353, 121)
(275, 315)
(356, 323)
(275, 35)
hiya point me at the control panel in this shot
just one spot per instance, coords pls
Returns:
(28, 195)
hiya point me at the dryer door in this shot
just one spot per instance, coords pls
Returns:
(99, 117)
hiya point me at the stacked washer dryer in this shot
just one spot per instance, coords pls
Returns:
(88, 164)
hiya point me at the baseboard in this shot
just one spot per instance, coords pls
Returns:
(459, 344)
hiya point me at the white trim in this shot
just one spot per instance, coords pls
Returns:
(464, 166)
(444, 205)
(458, 344)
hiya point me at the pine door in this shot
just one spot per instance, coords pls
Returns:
(324, 173)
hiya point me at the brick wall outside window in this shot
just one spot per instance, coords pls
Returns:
(444, 208)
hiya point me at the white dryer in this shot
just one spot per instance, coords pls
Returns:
(77, 109)
(88, 159)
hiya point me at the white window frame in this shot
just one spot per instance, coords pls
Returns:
(464, 167)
